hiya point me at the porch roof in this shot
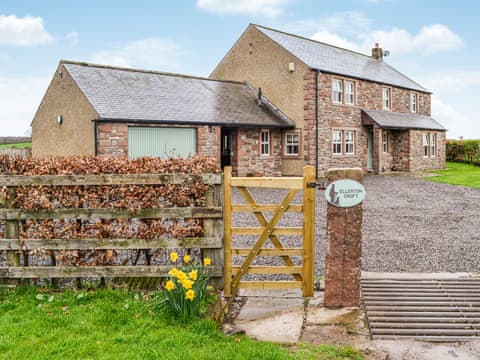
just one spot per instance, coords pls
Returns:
(395, 120)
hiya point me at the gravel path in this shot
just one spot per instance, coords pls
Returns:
(410, 225)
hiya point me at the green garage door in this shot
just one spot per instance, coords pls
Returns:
(161, 142)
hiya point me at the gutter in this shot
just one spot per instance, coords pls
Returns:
(316, 124)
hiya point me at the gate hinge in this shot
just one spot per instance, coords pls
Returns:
(320, 185)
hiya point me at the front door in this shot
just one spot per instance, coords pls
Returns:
(228, 146)
(370, 150)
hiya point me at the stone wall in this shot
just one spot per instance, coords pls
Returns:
(418, 161)
(250, 162)
(401, 150)
(333, 116)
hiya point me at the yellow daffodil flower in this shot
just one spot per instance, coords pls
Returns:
(193, 275)
(207, 261)
(190, 295)
(187, 284)
(186, 259)
(169, 285)
(173, 256)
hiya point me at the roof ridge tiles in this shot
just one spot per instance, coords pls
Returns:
(145, 71)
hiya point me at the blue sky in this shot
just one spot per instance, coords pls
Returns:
(433, 42)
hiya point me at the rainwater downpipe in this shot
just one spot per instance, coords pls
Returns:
(316, 124)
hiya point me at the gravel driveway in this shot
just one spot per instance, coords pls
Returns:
(410, 225)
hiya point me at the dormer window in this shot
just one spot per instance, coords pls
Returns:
(387, 99)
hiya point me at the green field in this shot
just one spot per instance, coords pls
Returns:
(17, 145)
(457, 174)
(114, 324)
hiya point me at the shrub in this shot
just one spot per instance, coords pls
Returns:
(463, 151)
(186, 294)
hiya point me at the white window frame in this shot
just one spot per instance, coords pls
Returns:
(426, 145)
(385, 141)
(413, 103)
(337, 142)
(349, 93)
(386, 98)
(265, 142)
(291, 144)
(337, 91)
(349, 142)
(433, 145)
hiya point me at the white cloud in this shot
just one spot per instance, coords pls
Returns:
(150, 53)
(72, 38)
(457, 123)
(451, 81)
(26, 31)
(334, 39)
(267, 8)
(19, 99)
(430, 39)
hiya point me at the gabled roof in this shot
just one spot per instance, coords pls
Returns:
(132, 95)
(395, 120)
(332, 59)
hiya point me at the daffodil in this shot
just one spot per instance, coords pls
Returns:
(173, 256)
(193, 274)
(190, 295)
(170, 285)
(207, 261)
(186, 259)
(173, 272)
(180, 275)
(187, 284)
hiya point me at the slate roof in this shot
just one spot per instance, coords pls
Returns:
(145, 96)
(332, 59)
(395, 120)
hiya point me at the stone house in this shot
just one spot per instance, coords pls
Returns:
(349, 109)
(91, 109)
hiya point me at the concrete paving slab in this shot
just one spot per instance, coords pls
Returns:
(263, 293)
(285, 328)
(322, 316)
(261, 308)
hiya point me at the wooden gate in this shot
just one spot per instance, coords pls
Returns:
(268, 230)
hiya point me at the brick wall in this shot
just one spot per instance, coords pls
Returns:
(250, 162)
(112, 140)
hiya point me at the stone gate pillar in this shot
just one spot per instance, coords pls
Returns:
(344, 247)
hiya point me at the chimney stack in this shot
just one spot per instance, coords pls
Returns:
(377, 52)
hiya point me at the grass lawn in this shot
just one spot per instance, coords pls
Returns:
(458, 174)
(18, 145)
(114, 324)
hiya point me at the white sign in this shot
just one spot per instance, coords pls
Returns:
(345, 193)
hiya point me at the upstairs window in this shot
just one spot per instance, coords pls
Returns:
(337, 142)
(292, 142)
(337, 91)
(349, 142)
(413, 103)
(425, 145)
(433, 144)
(387, 99)
(265, 142)
(349, 92)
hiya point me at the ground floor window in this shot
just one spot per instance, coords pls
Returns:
(385, 140)
(292, 143)
(343, 142)
(265, 142)
(426, 146)
(433, 144)
(337, 142)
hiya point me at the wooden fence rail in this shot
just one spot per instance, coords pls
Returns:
(211, 243)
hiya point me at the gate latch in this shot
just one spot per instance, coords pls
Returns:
(320, 184)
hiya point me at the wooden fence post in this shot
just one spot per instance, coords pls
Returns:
(227, 237)
(308, 231)
(214, 228)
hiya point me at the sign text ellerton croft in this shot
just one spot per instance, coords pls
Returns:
(345, 193)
